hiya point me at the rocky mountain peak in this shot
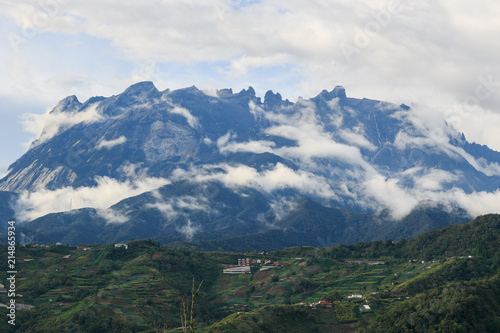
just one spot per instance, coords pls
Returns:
(140, 87)
(249, 92)
(69, 104)
(271, 100)
(337, 92)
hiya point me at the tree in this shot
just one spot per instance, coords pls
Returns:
(333, 296)
(188, 308)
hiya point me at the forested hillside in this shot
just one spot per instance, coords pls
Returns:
(459, 307)
(445, 280)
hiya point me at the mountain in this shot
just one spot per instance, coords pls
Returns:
(225, 221)
(206, 167)
(311, 224)
(7, 213)
(160, 132)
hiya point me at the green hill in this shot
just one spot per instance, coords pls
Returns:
(409, 285)
(272, 318)
(459, 307)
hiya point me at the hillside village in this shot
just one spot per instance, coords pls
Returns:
(342, 285)
(244, 264)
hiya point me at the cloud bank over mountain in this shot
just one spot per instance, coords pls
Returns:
(340, 151)
(107, 192)
(441, 54)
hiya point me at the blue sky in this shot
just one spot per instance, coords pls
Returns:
(442, 54)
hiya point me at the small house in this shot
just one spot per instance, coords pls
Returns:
(365, 308)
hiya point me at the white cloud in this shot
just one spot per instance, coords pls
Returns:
(241, 65)
(172, 208)
(111, 143)
(47, 125)
(212, 92)
(476, 203)
(192, 120)
(401, 200)
(217, 42)
(259, 146)
(435, 179)
(4, 170)
(107, 192)
(190, 203)
(480, 164)
(282, 208)
(436, 53)
(390, 194)
(112, 216)
(180, 207)
(357, 138)
(313, 142)
(257, 111)
(277, 178)
(189, 229)
(167, 209)
(373, 192)
(432, 132)
(223, 140)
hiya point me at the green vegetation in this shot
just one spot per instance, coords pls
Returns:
(273, 318)
(317, 225)
(461, 307)
(345, 312)
(409, 286)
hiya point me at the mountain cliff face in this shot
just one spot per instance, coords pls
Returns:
(172, 129)
(7, 199)
(158, 130)
(164, 150)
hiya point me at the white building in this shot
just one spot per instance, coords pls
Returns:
(237, 270)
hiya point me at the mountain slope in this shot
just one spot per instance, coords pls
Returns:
(212, 217)
(462, 307)
(171, 128)
(394, 174)
(310, 224)
(7, 213)
(462, 297)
